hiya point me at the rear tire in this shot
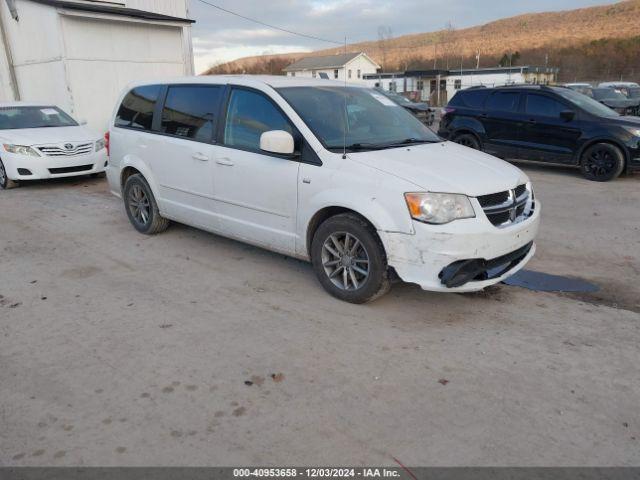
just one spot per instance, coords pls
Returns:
(5, 182)
(349, 259)
(467, 140)
(141, 206)
(602, 162)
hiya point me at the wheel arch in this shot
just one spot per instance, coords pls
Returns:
(322, 215)
(133, 166)
(610, 141)
(467, 131)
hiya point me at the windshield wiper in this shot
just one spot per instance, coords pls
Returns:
(383, 146)
(360, 146)
(411, 141)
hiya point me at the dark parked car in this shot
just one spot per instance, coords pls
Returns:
(615, 100)
(547, 124)
(422, 110)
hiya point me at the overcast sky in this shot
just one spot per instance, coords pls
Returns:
(219, 37)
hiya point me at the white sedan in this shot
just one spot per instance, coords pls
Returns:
(40, 141)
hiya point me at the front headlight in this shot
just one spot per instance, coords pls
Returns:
(20, 150)
(100, 144)
(439, 208)
(633, 131)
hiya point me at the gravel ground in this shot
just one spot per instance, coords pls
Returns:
(191, 349)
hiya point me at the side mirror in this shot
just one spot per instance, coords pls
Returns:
(277, 141)
(567, 115)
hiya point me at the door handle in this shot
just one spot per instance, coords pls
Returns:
(200, 156)
(224, 161)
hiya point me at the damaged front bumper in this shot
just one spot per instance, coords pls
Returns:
(463, 256)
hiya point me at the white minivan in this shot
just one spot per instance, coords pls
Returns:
(338, 175)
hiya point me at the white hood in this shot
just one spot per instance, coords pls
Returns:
(445, 167)
(48, 135)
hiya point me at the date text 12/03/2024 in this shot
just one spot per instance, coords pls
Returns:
(317, 472)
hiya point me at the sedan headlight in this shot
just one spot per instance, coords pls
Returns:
(100, 144)
(20, 150)
(439, 208)
(633, 131)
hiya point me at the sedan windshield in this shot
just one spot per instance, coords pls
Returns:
(395, 97)
(363, 117)
(607, 94)
(634, 93)
(587, 103)
(34, 117)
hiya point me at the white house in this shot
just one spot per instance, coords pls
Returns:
(79, 54)
(352, 65)
(423, 84)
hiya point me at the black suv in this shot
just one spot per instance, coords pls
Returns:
(546, 124)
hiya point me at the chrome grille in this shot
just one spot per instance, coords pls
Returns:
(66, 149)
(508, 207)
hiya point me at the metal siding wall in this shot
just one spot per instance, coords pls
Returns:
(104, 56)
(175, 8)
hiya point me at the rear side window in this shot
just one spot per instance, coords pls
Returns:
(543, 106)
(249, 115)
(504, 101)
(137, 108)
(469, 98)
(190, 111)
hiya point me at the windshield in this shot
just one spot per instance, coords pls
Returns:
(608, 94)
(372, 121)
(587, 103)
(34, 117)
(395, 97)
(634, 93)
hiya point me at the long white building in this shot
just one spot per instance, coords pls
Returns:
(439, 86)
(79, 54)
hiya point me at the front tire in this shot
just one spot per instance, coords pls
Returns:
(467, 140)
(141, 206)
(602, 162)
(5, 182)
(349, 259)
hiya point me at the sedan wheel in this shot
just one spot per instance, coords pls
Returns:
(5, 182)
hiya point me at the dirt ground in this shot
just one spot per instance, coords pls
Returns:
(191, 349)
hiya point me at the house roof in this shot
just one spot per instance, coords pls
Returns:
(325, 61)
(113, 10)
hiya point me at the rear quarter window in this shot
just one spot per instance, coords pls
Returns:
(136, 110)
(470, 98)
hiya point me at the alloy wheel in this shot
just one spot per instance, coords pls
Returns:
(3, 175)
(600, 162)
(345, 261)
(139, 205)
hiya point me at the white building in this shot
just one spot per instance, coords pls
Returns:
(79, 54)
(352, 65)
(423, 84)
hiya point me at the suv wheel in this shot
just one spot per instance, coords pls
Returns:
(5, 182)
(349, 259)
(602, 162)
(468, 140)
(141, 206)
